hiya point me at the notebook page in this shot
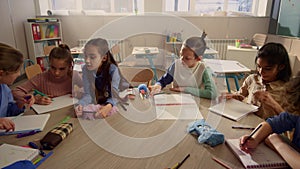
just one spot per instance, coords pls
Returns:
(11, 153)
(57, 103)
(176, 106)
(27, 123)
(261, 157)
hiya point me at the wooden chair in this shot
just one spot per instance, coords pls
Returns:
(115, 50)
(32, 70)
(137, 75)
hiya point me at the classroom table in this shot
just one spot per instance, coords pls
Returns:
(79, 151)
(227, 69)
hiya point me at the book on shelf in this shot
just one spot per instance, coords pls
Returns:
(261, 157)
(12, 153)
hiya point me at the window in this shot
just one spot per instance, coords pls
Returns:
(102, 6)
(205, 7)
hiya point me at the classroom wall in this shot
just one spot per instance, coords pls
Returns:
(82, 27)
(13, 13)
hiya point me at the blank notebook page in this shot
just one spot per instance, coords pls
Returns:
(28, 123)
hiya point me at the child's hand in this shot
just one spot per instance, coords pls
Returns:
(42, 100)
(103, 112)
(78, 110)
(177, 89)
(268, 100)
(155, 89)
(77, 92)
(7, 124)
(29, 99)
(249, 145)
(228, 96)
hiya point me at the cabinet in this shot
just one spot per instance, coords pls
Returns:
(42, 35)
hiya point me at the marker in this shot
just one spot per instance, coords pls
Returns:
(33, 145)
(251, 134)
(27, 97)
(27, 134)
(64, 120)
(36, 92)
(221, 162)
(242, 127)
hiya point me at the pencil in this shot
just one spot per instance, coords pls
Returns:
(221, 162)
(242, 127)
(251, 134)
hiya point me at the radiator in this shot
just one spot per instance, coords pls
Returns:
(220, 45)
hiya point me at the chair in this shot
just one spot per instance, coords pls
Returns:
(258, 39)
(137, 75)
(32, 70)
(115, 50)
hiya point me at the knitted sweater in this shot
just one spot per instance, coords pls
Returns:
(48, 84)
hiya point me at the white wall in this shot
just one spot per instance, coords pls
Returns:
(13, 13)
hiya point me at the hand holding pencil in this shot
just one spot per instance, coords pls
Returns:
(41, 98)
(248, 142)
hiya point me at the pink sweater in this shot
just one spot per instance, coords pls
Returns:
(46, 83)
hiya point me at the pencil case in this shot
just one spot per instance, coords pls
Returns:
(56, 135)
(206, 134)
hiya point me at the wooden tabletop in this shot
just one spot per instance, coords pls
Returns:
(82, 150)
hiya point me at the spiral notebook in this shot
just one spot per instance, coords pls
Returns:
(261, 157)
(12, 153)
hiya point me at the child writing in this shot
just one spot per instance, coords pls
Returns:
(11, 61)
(188, 72)
(273, 71)
(57, 81)
(101, 78)
(279, 124)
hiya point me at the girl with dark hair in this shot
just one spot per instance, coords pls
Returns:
(273, 71)
(274, 126)
(188, 73)
(57, 81)
(101, 78)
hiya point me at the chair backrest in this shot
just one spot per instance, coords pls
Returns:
(137, 75)
(47, 50)
(258, 39)
(32, 70)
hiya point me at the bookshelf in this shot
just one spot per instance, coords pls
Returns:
(42, 34)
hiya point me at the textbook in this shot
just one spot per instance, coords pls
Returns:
(233, 109)
(57, 103)
(176, 106)
(24, 124)
(261, 157)
(12, 153)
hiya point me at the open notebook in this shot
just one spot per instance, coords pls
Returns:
(27, 123)
(261, 157)
(57, 103)
(233, 109)
(176, 106)
(12, 153)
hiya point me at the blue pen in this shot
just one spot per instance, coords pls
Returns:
(27, 97)
(33, 145)
(43, 159)
(32, 132)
